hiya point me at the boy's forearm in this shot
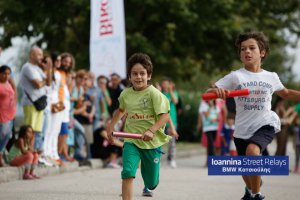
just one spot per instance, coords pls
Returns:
(117, 116)
(163, 119)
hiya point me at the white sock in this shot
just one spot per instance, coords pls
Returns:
(253, 195)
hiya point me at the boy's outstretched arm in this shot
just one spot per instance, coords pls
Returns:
(149, 133)
(117, 116)
(289, 94)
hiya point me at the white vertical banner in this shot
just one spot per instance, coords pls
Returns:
(107, 38)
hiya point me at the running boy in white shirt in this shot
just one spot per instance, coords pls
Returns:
(256, 124)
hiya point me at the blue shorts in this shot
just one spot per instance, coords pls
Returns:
(64, 130)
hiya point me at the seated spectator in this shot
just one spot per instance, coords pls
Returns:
(22, 152)
(102, 149)
(86, 118)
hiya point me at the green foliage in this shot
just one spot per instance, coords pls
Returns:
(192, 41)
(188, 120)
(183, 37)
(63, 24)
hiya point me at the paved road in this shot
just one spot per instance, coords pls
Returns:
(189, 182)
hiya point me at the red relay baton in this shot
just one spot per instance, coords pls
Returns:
(232, 93)
(127, 135)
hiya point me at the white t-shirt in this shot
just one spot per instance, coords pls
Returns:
(207, 124)
(253, 111)
(52, 91)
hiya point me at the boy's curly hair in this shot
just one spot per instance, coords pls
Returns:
(262, 41)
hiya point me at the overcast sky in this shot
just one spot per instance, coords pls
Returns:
(296, 66)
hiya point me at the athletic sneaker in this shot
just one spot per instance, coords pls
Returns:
(258, 197)
(113, 165)
(147, 192)
(247, 195)
(42, 160)
(173, 164)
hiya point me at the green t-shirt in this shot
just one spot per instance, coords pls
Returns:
(173, 111)
(143, 108)
(297, 108)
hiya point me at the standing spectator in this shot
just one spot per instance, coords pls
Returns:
(47, 111)
(102, 84)
(55, 117)
(221, 105)
(86, 118)
(77, 108)
(168, 90)
(67, 64)
(22, 152)
(96, 96)
(296, 142)
(33, 81)
(11, 80)
(227, 136)
(209, 113)
(8, 106)
(286, 117)
(115, 90)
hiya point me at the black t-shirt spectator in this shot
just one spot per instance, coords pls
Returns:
(114, 95)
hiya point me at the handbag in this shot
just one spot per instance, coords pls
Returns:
(40, 103)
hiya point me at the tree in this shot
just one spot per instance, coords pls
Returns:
(184, 37)
(64, 25)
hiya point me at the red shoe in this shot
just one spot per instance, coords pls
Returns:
(28, 177)
(35, 176)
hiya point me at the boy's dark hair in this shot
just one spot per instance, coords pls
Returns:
(262, 41)
(23, 130)
(3, 68)
(142, 59)
(165, 78)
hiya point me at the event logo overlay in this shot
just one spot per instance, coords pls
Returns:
(248, 165)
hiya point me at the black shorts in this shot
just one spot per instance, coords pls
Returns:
(262, 137)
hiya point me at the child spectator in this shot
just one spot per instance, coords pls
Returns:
(227, 135)
(22, 152)
(167, 88)
(209, 113)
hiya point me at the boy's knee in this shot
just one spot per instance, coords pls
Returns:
(253, 150)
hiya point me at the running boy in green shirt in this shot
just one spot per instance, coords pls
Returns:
(148, 112)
